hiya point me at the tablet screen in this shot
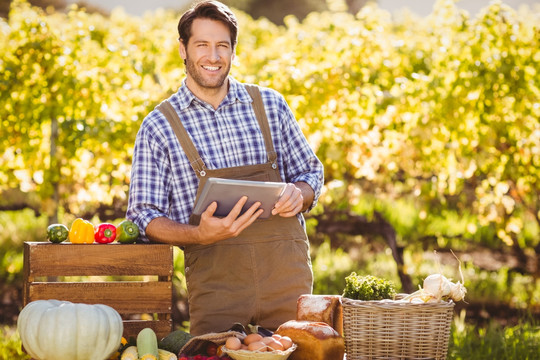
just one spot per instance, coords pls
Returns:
(227, 192)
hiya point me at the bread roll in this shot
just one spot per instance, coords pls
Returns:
(315, 340)
(321, 308)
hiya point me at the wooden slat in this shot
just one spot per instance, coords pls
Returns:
(132, 297)
(66, 259)
(43, 259)
(161, 328)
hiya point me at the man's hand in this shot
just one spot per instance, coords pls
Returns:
(295, 198)
(213, 229)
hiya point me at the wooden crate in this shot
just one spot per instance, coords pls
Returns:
(134, 279)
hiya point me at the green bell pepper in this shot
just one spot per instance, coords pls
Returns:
(57, 233)
(127, 232)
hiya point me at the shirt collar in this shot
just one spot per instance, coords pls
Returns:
(237, 92)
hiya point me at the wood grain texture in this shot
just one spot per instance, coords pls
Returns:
(48, 266)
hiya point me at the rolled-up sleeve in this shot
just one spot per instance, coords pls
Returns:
(149, 187)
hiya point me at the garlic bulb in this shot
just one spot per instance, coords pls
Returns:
(457, 291)
(437, 285)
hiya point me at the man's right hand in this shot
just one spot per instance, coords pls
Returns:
(212, 229)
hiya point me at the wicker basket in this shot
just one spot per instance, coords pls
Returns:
(390, 329)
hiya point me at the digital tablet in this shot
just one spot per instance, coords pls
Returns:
(227, 192)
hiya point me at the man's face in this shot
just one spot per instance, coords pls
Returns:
(209, 54)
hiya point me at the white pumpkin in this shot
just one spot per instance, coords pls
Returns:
(61, 330)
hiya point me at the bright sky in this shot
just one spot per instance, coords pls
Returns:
(425, 7)
(420, 7)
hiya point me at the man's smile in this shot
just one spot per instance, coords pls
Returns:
(211, 68)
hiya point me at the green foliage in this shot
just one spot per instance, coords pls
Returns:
(16, 227)
(439, 113)
(330, 267)
(368, 287)
(10, 345)
(179, 277)
(494, 341)
(503, 285)
(73, 87)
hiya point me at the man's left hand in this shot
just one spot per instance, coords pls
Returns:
(290, 203)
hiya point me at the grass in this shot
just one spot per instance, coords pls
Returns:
(10, 344)
(494, 341)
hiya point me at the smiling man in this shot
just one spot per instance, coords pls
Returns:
(208, 56)
(239, 268)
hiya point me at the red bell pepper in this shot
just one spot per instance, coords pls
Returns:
(105, 233)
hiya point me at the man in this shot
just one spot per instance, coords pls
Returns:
(238, 268)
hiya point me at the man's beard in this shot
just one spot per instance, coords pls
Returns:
(195, 72)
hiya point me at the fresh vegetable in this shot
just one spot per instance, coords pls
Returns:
(127, 232)
(166, 355)
(120, 350)
(57, 233)
(105, 233)
(368, 288)
(175, 341)
(436, 288)
(147, 345)
(61, 330)
(81, 232)
(437, 285)
(130, 353)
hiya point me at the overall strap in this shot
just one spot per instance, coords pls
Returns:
(191, 152)
(260, 114)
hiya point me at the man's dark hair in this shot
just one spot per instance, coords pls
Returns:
(213, 10)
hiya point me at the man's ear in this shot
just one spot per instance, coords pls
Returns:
(182, 50)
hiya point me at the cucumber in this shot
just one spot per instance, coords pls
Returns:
(147, 345)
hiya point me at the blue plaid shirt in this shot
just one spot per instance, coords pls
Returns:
(164, 184)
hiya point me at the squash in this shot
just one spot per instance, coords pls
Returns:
(61, 330)
(147, 345)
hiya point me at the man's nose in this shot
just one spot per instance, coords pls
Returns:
(214, 53)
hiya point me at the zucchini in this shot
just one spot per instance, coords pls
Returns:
(147, 345)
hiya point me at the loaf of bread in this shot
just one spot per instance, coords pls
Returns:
(314, 340)
(321, 308)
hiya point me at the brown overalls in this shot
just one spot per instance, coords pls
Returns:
(256, 277)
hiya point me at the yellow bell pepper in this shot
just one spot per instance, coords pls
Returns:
(81, 232)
